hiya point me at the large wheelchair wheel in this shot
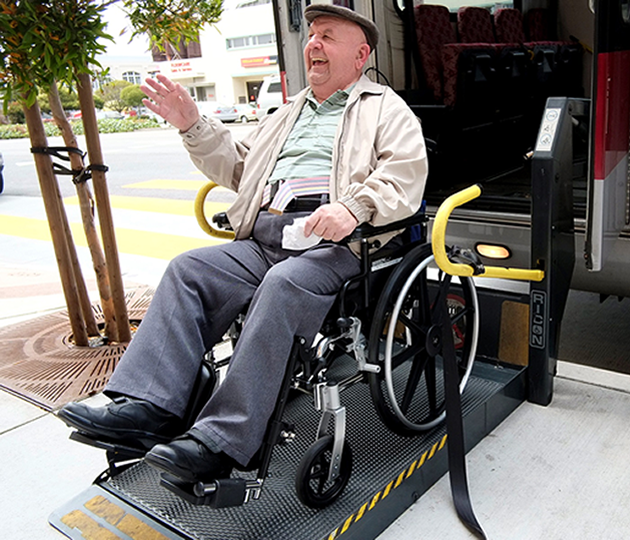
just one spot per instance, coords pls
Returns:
(311, 481)
(408, 392)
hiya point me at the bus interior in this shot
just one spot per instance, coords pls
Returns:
(478, 75)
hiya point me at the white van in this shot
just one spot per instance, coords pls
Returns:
(270, 95)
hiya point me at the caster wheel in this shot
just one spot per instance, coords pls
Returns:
(311, 482)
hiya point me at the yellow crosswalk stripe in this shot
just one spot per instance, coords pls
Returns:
(157, 205)
(183, 185)
(131, 241)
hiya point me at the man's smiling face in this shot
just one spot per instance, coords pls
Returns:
(334, 55)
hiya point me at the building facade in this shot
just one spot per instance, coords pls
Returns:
(228, 63)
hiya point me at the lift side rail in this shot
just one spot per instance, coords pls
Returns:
(553, 238)
(438, 243)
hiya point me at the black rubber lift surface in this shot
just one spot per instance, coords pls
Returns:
(389, 473)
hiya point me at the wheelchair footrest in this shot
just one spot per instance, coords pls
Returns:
(116, 452)
(114, 448)
(222, 493)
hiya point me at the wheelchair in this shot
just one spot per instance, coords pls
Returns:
(383, 329)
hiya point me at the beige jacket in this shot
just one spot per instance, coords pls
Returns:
(379, 158)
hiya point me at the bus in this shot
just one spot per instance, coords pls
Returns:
(478, 74)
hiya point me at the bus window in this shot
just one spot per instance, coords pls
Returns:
(454, 5)
(625, 10)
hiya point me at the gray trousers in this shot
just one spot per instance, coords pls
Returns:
(202, 291)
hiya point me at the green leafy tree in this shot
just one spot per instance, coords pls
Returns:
(15, 113)
(69, 100)
(169, 22)
(110, 93)
(44, 43)
(132, 96)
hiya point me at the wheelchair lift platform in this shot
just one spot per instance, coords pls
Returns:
(389, 473)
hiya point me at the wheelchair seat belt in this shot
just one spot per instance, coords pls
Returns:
(454, 421)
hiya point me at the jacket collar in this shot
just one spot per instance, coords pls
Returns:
(363, 86)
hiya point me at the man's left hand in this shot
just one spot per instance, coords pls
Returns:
(331, 221)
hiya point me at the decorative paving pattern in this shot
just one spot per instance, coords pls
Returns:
(39, 362)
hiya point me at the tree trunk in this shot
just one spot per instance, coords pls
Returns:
(86, 204)
(57, 222)
(95, 154)
(91, 326)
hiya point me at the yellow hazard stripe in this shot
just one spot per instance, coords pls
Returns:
(129, 241)
(361, 512)
(393, 484)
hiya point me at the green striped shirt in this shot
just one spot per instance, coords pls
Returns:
(307, 152)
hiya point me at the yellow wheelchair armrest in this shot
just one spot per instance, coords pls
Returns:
(200, 199)
(438, 241)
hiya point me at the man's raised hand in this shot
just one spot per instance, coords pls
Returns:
(171, 101)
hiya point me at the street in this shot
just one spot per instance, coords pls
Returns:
(131, 157)
(152, 184)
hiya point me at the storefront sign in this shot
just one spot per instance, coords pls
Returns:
(259, 61)
(181, 66)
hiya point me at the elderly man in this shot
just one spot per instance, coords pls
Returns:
(356, 153)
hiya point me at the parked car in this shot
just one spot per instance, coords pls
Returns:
(100, 115)
(225, 113)
(1, 176)
(247, 112)
(270, 95)
(143, 112)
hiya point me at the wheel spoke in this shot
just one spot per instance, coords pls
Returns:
(416, 329)
(316, 471)
(405, 354)
(318, 474)
(460, 315)
(417, 367)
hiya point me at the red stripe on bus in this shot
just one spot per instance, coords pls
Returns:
(612, 121)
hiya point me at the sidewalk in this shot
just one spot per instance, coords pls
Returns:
(555, 473)
(41, 467)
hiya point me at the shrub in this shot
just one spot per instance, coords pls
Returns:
(106, 125)
(13, 131)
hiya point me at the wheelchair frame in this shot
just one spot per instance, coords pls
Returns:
(325, 468)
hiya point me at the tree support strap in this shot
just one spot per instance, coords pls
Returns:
(79, 176)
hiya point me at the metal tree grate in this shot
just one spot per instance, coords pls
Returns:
(39, 362)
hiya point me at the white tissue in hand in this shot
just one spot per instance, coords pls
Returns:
(293, 236)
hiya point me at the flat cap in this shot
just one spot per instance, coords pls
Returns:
(369, 28)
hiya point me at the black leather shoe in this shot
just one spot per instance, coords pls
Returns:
(190, 460)
(133, 421)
